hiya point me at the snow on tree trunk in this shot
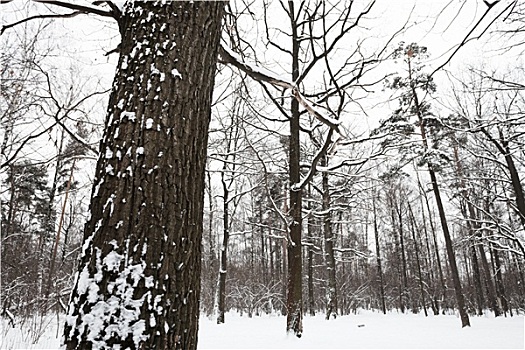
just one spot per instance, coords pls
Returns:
(328, 254)
(138, 280)
(294, 300)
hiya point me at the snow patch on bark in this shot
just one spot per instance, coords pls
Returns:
(176, 73)
(116, 316)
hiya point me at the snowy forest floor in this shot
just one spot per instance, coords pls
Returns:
(366, 330)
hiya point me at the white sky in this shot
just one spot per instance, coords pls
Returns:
(440, 25)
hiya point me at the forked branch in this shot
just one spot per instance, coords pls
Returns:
(262, 74)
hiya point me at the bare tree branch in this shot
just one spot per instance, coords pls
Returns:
(65, 15)
(467, 37)
(261, 74)
(79, 9)
(82, 8)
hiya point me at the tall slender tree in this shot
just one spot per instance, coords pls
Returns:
(414, 117)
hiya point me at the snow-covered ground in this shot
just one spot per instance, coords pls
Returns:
(366, 330)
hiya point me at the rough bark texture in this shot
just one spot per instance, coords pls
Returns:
(138, 281)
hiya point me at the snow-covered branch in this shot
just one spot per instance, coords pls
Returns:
(265, 75)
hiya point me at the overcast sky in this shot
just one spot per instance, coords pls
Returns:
(439, 24)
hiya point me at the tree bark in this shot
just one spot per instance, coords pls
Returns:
(418, 263)
(294, 303)
(475, 230)
(504, 149)
(397, 250)
(442, 284)
(311, 241)
(500, 288)
(138, 283)
(378, 256)
(477, 280)
(516, 184)
(221, 290)
(404, 272)
(460, 300)
(329, 258)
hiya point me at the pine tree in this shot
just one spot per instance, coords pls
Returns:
(414, 116)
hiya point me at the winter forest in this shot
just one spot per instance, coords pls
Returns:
(182, 175)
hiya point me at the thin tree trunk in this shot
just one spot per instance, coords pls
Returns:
(442, 283)
(398, 254)
(404, 272)
(311, 299)
(294, 303)
(264, 248)
(284, 258)
(429, 265)
(221, 293)
(444, 225)
(329, 258)
(378, 257)
(500, 288)
(477, 280)
(450, 252)
(475, 230)
(50, 220)
(418, 264)
(503, 147)
(59, 230)
(212, 257)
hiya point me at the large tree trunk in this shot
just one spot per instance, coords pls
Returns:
(138, 282)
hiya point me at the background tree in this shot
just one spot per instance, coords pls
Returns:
(43, 121)
(414, 88)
